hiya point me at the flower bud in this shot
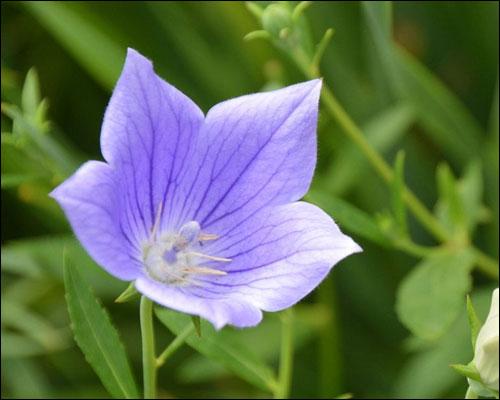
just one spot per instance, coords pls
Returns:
(275, 18)
(486, 351)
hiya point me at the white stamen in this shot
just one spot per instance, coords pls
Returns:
(201, 255)
(169, 257)
(204, 271)
(204, 237)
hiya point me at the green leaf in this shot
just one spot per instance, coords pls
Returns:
(474, 322)
(348, 216)
(223, 347)
(377, 16)
(446, 183)
(42, 258)
(97, 337)
(255, 9)
(40, 117)
(431, 296)
(197, 324)
(397, 187)
(54, 151)
(128, 294)
(470, 189)
(17, 346)
(14, 180)
(27, 379)
(469, 371)
(33, 325)
(449, 207)
(427, 373)
(27, 291)
(99, 54)
(460, 207)
(31, 97)
(200, 62)
(17, 261)
(383, 131)
(445, 119)
(309, 321)
(476, 384)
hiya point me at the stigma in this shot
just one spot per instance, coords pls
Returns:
(176, 258)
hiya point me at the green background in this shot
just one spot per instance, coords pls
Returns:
(352, 340)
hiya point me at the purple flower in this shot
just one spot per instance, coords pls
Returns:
(201, 211)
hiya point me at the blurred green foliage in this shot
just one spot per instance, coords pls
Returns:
(434, 95)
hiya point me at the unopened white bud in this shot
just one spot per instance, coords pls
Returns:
(486, 351)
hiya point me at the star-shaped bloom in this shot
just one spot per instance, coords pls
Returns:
(202, 212)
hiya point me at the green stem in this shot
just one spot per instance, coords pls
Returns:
(330, 357)
(320, 50)
(355, 134)
(286, 356)
(380, 165)
(484, 263)
(148, 348)
(414, 249)
(176, 343)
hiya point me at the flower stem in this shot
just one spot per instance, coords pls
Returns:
(330, 358)
(414, 249)
(286, 357)
(486, 264)
(176, 343)
(380, 165)
(483, 261)
(148, 348)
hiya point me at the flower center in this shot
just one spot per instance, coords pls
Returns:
(174, 258)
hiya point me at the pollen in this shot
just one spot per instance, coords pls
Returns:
(176, 258)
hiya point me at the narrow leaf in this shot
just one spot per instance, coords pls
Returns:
(377, 16)
(97, 337)
(223, 347)
(197, 324)
(474, 322)
(52, 149)
(17, 346)
(445, 119)
(348, 216)
(470, 189)
(310, 320)
(96, 51)
(14, 180)
(128, 294)
(449, 208)
(33, 325)
(27, 379)
(31, 97)
(40, 258)
(469, 371)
